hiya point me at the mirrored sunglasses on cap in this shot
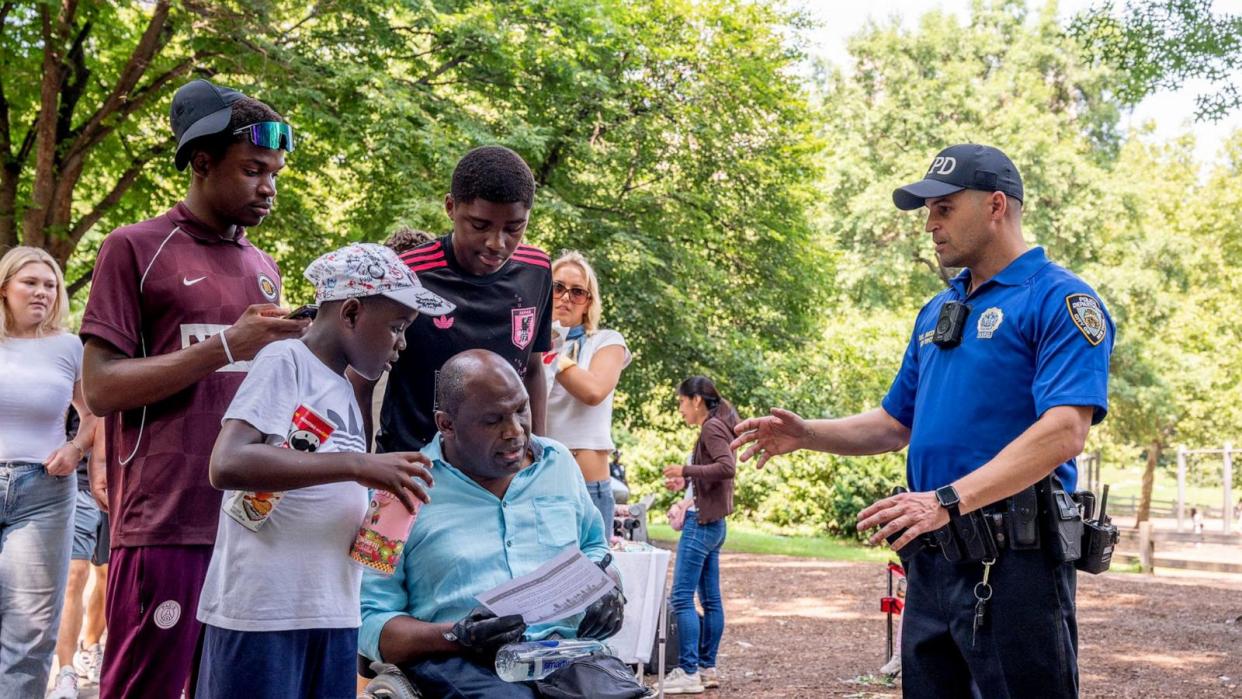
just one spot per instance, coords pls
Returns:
(269, 134)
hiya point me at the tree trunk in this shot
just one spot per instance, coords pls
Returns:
(8, 206)
(1149, 476)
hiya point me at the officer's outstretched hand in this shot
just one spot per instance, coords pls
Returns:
(482, 633)
(779, 433)
(603, 618)
(916, 513)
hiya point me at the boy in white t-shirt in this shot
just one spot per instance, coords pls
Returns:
(280, 606)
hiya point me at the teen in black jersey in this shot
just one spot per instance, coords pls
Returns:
(502, 288)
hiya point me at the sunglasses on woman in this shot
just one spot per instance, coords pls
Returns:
(577, 295)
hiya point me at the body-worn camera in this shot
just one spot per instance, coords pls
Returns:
(951, 324)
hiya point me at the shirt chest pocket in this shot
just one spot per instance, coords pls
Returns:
(556, 521)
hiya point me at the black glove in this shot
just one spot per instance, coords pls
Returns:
(483, 633)
(603, 618)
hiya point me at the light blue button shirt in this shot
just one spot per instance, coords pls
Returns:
(467, 541)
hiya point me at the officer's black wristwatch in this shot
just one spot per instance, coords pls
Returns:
(948, 498)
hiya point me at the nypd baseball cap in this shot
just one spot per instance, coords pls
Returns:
(199, 109)
(367, 269)
(964, 166)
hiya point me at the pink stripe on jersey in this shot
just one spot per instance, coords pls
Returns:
(428, 251)
(533, 252)
(532, 261)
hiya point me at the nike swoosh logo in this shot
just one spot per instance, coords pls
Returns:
(192, 282)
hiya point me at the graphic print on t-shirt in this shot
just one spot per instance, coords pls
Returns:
(523, 326)
(349, 435)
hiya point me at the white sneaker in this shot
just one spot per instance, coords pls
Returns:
(710, 678)
(66, 685)
(96, 666)
(893, 667)
(681, 682)
(88, 662)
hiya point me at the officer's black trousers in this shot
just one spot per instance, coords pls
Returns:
(1028, 646)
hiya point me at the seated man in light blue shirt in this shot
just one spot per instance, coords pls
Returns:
(503, 503)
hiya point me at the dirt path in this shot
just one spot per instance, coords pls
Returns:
(809, 628)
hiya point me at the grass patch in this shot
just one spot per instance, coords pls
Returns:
(745, 539)
(1125, 481)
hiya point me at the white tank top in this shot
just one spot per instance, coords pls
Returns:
(572, 422)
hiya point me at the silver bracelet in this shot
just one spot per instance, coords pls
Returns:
(227, 354)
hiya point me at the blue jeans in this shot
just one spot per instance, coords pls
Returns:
(36, 535)
(698, 569)
(601, 495)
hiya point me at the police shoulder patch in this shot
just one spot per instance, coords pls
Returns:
(1087, 314)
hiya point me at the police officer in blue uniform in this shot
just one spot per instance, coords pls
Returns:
(1006, 371)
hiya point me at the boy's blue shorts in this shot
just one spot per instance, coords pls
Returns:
(278, 664)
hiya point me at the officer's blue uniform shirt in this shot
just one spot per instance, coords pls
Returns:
(1037, 337)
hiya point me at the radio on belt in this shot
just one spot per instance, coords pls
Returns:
(1099, 535)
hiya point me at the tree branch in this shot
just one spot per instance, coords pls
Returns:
(134, 68)
(4, 15)
(934, 267)
(27, 143)
(126, 180)
(6, 138)
(288, 34)
(6, 142)
(76, 285)
(53, 31)
(72, 89)
(444, 68)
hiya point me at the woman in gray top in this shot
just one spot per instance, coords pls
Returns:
(40, 375)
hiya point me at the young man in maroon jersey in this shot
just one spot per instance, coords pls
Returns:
(178, 305)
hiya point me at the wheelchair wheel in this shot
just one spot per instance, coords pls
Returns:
(390, 683)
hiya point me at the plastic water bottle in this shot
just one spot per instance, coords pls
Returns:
(534, 660)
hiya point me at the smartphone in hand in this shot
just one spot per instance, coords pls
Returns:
(306, 312)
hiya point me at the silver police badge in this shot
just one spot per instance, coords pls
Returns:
(1088, 316)
(989, 322)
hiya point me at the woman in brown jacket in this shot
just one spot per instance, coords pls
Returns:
(708, 501)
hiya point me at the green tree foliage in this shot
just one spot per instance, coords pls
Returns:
(1130, 216)
(1160, 44)
(1004, 78)
(670, 140)
(741, 221)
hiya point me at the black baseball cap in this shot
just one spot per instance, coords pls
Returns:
(199, 109)
(964, 166)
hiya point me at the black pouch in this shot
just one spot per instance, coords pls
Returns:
(911, 549)
(595, 676)
(1064, 523)
(947, 543)
(1022, 520)
(975, 535)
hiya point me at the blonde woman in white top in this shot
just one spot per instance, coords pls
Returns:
(588, 364)
(40, 375)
